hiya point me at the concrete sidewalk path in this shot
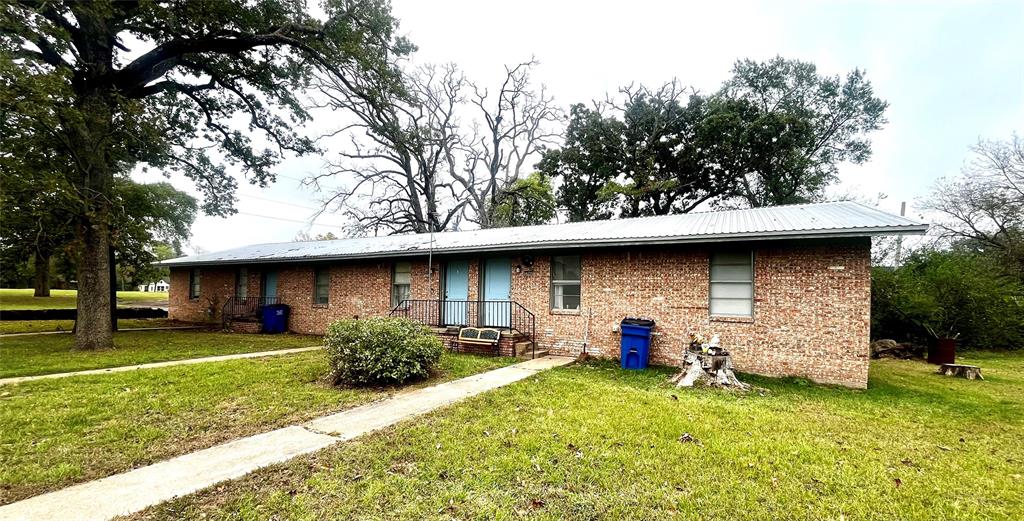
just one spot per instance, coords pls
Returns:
(122, 330)
(123, 494)
(153, 365)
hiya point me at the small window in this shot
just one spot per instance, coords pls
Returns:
(565, 282)
(193, 283)
(732, 284)
(401, 283)
(242, 283)
(321, 286)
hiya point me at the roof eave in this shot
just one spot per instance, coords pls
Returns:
(917, 229)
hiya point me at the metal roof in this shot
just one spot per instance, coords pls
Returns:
(803, 221)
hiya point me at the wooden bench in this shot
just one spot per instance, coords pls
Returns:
(479, 336)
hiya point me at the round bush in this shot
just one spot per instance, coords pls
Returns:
(381, 350)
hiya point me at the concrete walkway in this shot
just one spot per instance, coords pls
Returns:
(123, 494)
(169, 363)
(123, 330)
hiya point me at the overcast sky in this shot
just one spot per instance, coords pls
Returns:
(951, 71)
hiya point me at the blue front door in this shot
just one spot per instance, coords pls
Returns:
(497, 288)
(456, 292)
(270, 284)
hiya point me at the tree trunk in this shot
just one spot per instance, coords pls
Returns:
(93, 325)
(42, 276)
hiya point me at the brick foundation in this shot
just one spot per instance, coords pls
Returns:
(811, 302)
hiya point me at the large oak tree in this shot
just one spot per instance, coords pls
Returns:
(163, 83)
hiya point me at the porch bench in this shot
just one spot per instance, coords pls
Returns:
(479, 336)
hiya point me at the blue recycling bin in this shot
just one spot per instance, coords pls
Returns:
(636, 342)
(275, 318)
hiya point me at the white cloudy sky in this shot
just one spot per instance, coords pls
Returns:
(951, 71)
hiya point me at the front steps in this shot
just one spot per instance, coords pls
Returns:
(524, 349)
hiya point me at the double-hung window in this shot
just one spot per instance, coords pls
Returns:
(321, 286)
(194, 277)
(565, 282)
(242, 283)
(732, 284)
(401, 283)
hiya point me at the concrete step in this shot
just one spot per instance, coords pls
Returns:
(529, 354)
(522, 347)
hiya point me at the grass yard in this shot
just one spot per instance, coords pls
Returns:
(595, 442)
(44, 354)
(37, 326)
(67, 299)
(54, 433)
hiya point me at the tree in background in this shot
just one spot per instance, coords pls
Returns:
(796, 127)
(150, 221)
(589, 159)
(444, 152)
(775, 133)
(984, 208)
(529, 201)
(401, 151)
(518, 121)
(949, 293)
(113, 84)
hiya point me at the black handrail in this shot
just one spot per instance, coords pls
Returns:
(499, 314)
(245, 307)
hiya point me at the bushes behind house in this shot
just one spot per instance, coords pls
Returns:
(379, 350)
(952, 293)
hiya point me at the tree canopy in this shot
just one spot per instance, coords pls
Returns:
(115, 84)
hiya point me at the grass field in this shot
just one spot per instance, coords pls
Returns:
(67, 299)
(596, 442)
(57, 432)
(43, 354)
(36, 326)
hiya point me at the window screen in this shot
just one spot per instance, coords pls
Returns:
(193, 283)
(732, 284)
(565, 282)
(321, 286)
(242, 283)
(401, 283)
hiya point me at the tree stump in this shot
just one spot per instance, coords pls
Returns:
(969, 372)
(712, 369)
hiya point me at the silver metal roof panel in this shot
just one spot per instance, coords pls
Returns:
(805, 221)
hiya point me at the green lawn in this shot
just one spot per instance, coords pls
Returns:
(596, 442)
(67, 299)
(44, 354)
(36, 326)
(57, 432)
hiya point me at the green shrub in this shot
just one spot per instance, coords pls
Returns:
(948, 293)
(379, 350)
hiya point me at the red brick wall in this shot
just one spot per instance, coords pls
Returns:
(811, 303)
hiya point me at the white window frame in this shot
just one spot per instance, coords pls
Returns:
(557, 301)
(735, 282)
(195, 278)
(395, 301)
(325, 270)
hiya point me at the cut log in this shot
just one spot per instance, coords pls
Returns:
(712, 370)
(969, 372)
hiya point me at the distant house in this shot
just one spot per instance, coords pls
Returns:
(787, 289)
(159, 285)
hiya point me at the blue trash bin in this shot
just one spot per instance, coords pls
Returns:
(636, 342)
(275, 318)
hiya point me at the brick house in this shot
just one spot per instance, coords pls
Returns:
(786, 288)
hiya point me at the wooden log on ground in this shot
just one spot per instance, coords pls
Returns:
(969, 372)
